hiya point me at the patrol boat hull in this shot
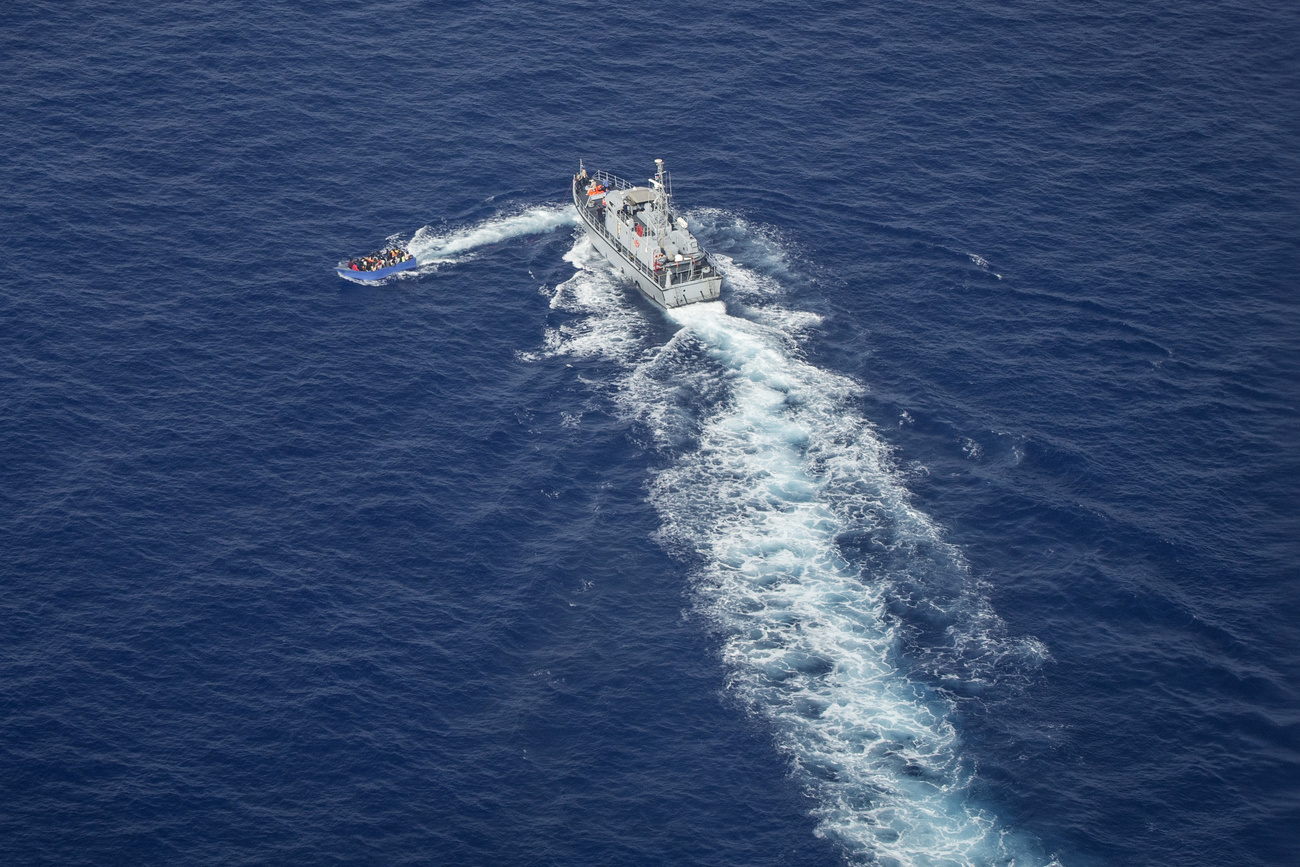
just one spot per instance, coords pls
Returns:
(636, 229)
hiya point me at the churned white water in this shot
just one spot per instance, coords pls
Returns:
(769, 468)
(432, 247)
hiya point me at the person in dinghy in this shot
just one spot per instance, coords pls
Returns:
(378, 265)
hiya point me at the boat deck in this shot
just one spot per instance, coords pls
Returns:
(670, 277)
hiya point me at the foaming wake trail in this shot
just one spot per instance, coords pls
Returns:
(431, 247)
(780, 473)
(774, 483)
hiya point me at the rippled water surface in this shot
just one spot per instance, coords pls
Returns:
(961, 531)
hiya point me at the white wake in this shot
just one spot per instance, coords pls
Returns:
(434, 247)
(770, 467)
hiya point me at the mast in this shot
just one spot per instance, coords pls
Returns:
(660, 182)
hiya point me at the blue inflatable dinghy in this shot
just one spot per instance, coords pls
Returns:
(377, 266)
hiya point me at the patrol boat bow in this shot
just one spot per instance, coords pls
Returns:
(637, 230)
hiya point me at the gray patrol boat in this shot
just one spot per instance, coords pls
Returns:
(637, 230)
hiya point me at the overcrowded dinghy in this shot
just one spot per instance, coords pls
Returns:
(377, 266)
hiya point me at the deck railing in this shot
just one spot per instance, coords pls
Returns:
(612, 182)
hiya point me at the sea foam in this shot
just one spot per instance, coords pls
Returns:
(432, 247)
(769, 470)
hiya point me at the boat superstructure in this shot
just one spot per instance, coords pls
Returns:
(637, 230)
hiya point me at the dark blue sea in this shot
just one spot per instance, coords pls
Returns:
(963, 530)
